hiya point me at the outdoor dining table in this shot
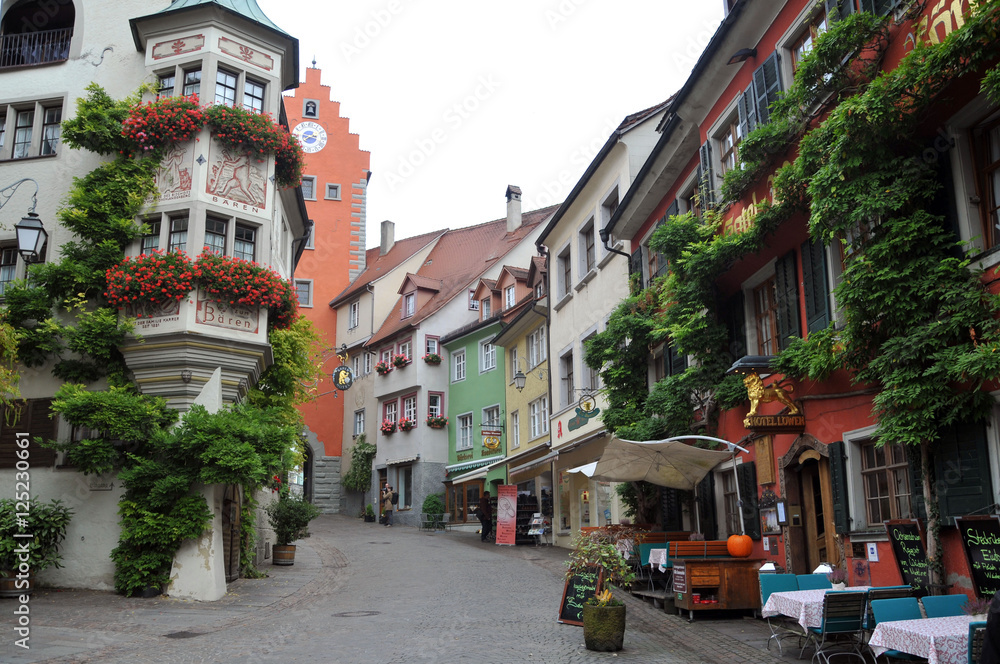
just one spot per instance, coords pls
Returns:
(804, 606)
(658, 557)
(940, 640)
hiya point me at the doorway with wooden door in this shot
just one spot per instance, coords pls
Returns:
(812, 538)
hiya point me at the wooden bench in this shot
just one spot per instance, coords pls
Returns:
(703, 549)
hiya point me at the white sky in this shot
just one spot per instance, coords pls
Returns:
(456, 99)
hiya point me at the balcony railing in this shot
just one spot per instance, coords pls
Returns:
(35, 48)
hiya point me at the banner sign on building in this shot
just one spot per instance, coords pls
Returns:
(506, 514)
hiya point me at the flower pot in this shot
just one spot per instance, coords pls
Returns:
(603, 627)
(9, 586)
(369, 518)
(838, 586)
(283, 554)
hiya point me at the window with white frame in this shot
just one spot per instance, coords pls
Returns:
(484, 308)
(458, 362)
(332, 192)
(509, 297)
(246, 241)
(885, 479)
(51, 129)
(473, 302)
(538, 411)
(588, 248)
(464, 440)
(166, 85)
(309, 187)
(410, 407)
(359, 422)
(564, 272)
(515, 430)
(431, 345)
(491, 417)
(356, 365)
(591, 377)
(512, 354)
(390, 410)
(368, 363)
(609, 206)
(8, 267)
(36, 129)
(435, 404)
(409, 304)
(215, 235)
(405, 349)
(353, 315)
(225, 87)
(568, 381)
(487, 356)
(537, 348)
(150, 238)
(192, 82)
(730, 502)
(178, 234)
(304, 292)
(253, 95)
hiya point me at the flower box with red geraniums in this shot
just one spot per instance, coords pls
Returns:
(436, 421)
(406, 424)
(382, 368)
(388, 427)
(157, 124)
(432, 358)
(400, 361)
(157, 278)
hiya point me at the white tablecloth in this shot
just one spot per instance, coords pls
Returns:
(940, 640)
(658, 557)
(804, 606)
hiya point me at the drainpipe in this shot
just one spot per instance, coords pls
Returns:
(605, 237)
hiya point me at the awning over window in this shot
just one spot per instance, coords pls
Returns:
(468, 465)
(523, 472)
(396, 462)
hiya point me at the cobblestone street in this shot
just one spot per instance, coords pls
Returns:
(360, 592)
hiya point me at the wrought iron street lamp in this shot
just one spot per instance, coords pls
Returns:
(31, 235)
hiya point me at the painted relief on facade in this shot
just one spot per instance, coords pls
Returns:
(236, 178)
(227, 316)
(246, 54)
(173, 177)
(150, 317)
(180, 46)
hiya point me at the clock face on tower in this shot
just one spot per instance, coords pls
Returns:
(311, 135)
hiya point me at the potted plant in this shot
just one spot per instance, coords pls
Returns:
(382, 368)
(432, 358)
(838, 578)
(437, 421)
(289, 517)
(603, 615)
(977, 607)
(369, 513)
(400, 361)
(405, 424)
(388, 427)
(47, 524)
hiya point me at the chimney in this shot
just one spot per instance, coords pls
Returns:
(513, 208)
(388, 237)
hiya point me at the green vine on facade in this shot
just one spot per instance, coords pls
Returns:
(359, 477)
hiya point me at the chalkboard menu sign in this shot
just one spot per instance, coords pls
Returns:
(981, 538)
(907, 541)
(579, 588)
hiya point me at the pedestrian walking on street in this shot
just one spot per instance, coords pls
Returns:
(486, 515)
(387, 505)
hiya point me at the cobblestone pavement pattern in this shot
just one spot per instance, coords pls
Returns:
(360, 593)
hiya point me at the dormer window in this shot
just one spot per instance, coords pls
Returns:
(409, 304)
(508, 297)
(485, 308)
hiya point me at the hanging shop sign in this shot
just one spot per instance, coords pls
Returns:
(791, 422)
(491, 441)
(343, 377)
(586, 408)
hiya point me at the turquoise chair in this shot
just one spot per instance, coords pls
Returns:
(843, 613)
(884, 592)
(899, 608)
(977, 632)
(781, 626)
(813, 582)
(941, 606)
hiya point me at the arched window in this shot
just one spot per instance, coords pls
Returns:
(34, 33)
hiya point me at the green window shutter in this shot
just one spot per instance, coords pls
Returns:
(786, 284)
(766, 85)
(736, 325)
(35, 417)
(706, 176)
(706, 507)
(635, 263)
(815, 285)
(916, 485)
(838, 487)
(838, 9)
(674, 363)
(672, 509)
(961, 471)
(747, 107)
(746, 478)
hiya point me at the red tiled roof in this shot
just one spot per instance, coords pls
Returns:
(379, 266)
(419, 281)
(460, 256)
(639, 116)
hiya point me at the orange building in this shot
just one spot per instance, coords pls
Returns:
(334, 186)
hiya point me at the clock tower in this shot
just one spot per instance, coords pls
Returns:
(334, 184)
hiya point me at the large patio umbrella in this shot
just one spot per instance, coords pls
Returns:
(670, 462)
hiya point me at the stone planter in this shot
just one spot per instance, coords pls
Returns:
(603, 627)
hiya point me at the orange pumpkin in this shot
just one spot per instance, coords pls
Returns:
(739, 546)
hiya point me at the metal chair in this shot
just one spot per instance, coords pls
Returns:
(813, 582)
(843, 612)
(899, 608)
(977, 632)
(780, 626)
(941, 606)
